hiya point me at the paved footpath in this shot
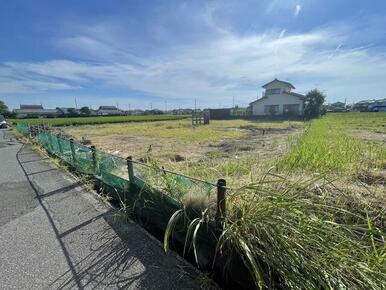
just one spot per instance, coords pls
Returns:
(54, 234)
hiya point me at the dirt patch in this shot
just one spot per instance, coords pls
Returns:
(268, 130)
(371, 136)
(373, 177)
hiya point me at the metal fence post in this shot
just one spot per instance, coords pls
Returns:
(29, 131)
(94, 159)
(73, 150)
(52, 142)
(59, 144)
(221, 200)
(130, 168)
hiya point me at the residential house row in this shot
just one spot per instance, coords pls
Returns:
(278, 99)
(39, 111)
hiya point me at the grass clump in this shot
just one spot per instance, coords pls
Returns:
(291, 238)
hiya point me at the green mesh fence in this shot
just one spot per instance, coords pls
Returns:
(115, 171)
(22, 128)
(174, 184)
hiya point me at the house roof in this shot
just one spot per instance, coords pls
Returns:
(276, 80)
(36, 111)
(296, 95)
(31, 107)
(337, 104)
(108, 108)
(300, 96)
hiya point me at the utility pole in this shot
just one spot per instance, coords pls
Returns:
(233, 102)
(166, 106)
(76, 104)
(195, 105)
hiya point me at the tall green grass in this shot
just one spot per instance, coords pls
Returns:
(289, 237)
(329, 144)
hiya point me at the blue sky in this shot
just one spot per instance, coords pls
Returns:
(148, 53)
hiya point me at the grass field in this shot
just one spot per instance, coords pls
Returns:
(229, 149)
(344, 143)
(307, 208)
(97, 120)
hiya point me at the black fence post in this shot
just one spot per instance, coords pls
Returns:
(94, 159)
(51, 143)
(73, 150)
(29, 131)
(130, 168)
(59, 145)
(221, 200)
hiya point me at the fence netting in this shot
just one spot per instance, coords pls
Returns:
(117, 172)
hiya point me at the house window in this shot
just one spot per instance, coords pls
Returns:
(272, 91)
(271, 109)
(291, 109)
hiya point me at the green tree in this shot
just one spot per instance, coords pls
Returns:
(314, 104)
(85, 111)
(72, 112)
(3, 108)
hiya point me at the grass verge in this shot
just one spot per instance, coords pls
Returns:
(97, 120)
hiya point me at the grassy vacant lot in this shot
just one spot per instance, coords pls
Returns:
(97, 120)
(240, 150)
(308, 204)
(229, 149)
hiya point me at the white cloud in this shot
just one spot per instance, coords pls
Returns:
(214, 72)
(298, 7)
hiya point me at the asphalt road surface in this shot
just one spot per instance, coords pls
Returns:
(54, 234)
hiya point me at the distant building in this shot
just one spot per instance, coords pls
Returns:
(370, 106)
(153, 112)
(182, 111)
(239, 112)
(336, 107)
(378, 106)
(220, 114)
(109, 111)
(34, 111)
(135, 112)
(68, 111)
(278, 99)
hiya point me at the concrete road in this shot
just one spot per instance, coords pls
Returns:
(54, 234)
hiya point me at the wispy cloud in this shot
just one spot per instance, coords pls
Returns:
(298, 8)
(212, 70)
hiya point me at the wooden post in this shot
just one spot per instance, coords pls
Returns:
(73, 150)
(130, 168)
(94, 159)
(221, 200)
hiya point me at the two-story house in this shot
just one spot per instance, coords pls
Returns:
(278, 99)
